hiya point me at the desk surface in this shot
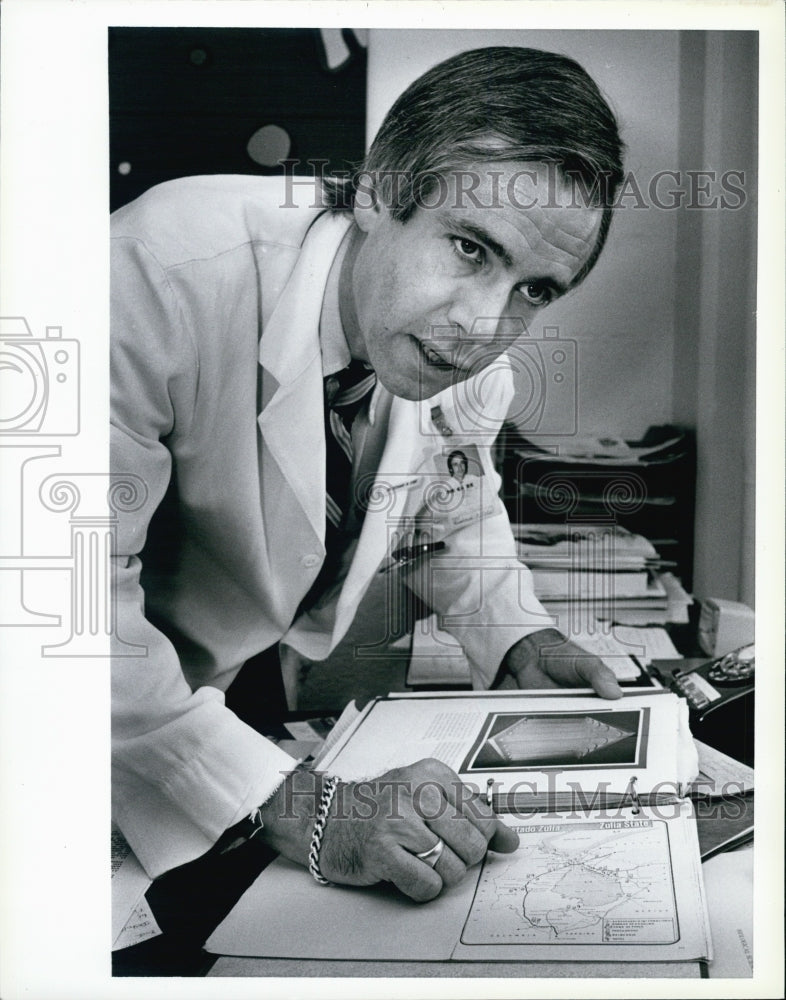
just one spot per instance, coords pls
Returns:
(267, 967)
(191, 901)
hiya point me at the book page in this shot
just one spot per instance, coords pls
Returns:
(623, 888)
(531, 745)
(286, 914)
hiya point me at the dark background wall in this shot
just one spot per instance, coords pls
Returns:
(186, 101)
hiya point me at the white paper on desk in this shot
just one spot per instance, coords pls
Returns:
(129, 882)
(438, 658)
(655, 643)
(720, 774)
(141, 926)
(728, 883)
(285, 914)
(613, 650)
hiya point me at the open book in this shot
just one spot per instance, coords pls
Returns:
(608, 865)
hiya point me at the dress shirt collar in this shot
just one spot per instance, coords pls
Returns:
(335, 349)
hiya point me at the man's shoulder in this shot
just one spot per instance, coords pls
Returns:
(202, 216)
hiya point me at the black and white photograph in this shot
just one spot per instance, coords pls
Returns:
(329, 327)
(560, 740)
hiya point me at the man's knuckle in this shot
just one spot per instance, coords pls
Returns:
(453, 872)
(420, 888)
(428, 800)
(477, 849)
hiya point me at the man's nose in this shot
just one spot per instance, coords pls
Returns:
(480, 316)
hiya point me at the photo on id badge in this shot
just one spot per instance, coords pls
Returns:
(460, 492)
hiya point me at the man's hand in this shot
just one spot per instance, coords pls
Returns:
(376, 829)
(546, 659)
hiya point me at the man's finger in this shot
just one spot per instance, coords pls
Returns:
(461, 835)
(461, 796)
(470, 805)
(450, 867)
(504, 840)
(411, 875)
(498, 836)
(599, 676)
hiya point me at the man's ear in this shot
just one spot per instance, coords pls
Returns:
(368, 210)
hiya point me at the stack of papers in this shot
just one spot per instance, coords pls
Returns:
(610, 450)
(558, 546)
(616, 574)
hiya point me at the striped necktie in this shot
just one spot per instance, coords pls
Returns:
(345, 395)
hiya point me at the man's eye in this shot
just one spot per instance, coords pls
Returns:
(536, 293)
(469, 250)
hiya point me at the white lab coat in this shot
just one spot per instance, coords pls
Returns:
(217, 395)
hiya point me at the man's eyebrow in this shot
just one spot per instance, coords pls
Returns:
(482, 236)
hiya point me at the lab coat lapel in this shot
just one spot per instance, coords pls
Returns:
(292, 419)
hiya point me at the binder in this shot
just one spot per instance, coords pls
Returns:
(601, 874)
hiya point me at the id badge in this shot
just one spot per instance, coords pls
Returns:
(459, 492)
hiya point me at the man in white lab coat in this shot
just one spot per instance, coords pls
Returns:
(234, 300)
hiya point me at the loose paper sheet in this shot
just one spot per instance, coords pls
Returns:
(285, 914)
(129, 882)
(140, 926)
(720, 774)
(438, 658)
(728, 881)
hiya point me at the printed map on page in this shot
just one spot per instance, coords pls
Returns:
(606, 882)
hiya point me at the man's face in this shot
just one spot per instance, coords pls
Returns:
(458, 467)
(411, 292)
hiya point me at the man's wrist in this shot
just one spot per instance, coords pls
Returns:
(526, 652)
(288, 816)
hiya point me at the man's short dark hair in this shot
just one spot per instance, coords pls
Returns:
(496, 104)
(457, 454)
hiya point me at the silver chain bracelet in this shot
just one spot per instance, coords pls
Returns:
(328, 791)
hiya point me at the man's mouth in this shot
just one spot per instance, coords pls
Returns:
(435, 358)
